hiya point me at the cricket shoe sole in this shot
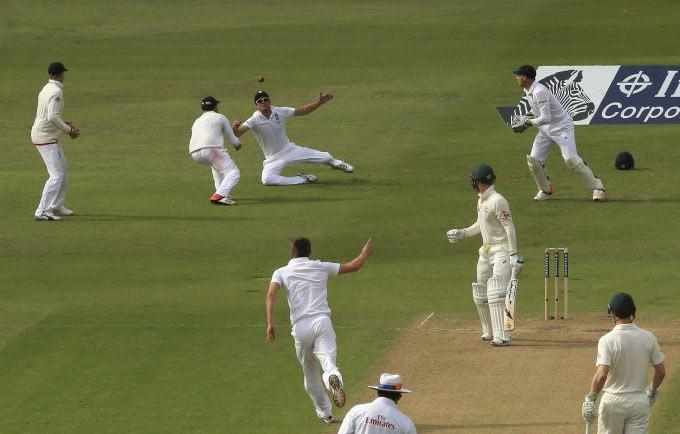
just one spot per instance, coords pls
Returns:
(336, 389)
(598, 195)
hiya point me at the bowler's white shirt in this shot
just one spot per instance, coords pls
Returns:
(271, 132)
(209, 130)
(48, 123)
(378, 417)
(628, 350)
(494, 220)
(549, 115)
(305, 282)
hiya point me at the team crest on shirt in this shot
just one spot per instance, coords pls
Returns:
(276, 116)
(505, 214)
(58, 98)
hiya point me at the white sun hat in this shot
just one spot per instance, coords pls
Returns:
(390, 383)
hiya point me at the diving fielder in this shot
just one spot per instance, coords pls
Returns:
(497, 256)
(47, 128)
(623, 357)
(207, 147)
(268, 123)
(554, 126)
(305, 282)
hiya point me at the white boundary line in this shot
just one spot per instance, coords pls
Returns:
(426, 319)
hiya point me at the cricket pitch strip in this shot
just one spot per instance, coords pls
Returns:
(463, 385)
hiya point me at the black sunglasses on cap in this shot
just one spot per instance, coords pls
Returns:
(262, 100)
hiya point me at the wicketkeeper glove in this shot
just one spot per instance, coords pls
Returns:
(521, 123)
(653, 396)
(589, 410)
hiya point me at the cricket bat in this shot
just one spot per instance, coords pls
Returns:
(510, 296)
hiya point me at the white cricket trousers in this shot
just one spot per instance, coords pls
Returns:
(494, 261)
(315, 345)
(224, 170)
(274, 164)
(54, 192)
(619, 415)
(563, 138)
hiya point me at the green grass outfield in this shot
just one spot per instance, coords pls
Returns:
(146, 312)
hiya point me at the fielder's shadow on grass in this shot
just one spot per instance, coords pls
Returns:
(122, 217)
(284, 199)
(433, 428)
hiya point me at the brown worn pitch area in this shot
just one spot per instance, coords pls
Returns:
(537, 385)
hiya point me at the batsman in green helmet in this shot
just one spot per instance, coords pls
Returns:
(498, 258)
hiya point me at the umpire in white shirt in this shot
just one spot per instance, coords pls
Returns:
(382, 415)
(305, 282)
(47, 128)
(623, 357)
(207, 147)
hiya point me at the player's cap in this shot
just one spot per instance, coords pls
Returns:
(56, 68)
(624, 161)
(390, 383)
(526, 70)
(209, 103)
(622, 305)
(260, 95)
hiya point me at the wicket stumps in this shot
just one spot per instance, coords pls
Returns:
(555, 252)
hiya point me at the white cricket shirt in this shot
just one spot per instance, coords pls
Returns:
(494, 220)
(48, 124)
(628, 350)
(304, 281)
(271, 132)
(549, 115)
(209, 130)
(378, 417)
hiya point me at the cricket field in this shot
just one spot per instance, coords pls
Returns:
(145, 312)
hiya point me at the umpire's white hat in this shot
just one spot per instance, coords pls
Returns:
(390, 383)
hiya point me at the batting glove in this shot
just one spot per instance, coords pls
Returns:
(589, 411)
(455, 235)
(517, 263)
(653, 396)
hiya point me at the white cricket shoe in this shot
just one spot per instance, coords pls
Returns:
(500, 343)
(62, 210)
(487, 337)
(330, 419)
(218, 199)
(542, 195)
(46, 217)
(345, 167)
(598, 195)
(309, 178)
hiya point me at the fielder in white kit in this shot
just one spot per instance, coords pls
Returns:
(305, 283)
(554, 126)
(382, 415)
(268, 124)
(207, 147)
(623, 358)
(47, 128)
(497, 256)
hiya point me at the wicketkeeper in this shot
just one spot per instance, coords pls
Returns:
(497, 256)
(623, 357)
(555, 126)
